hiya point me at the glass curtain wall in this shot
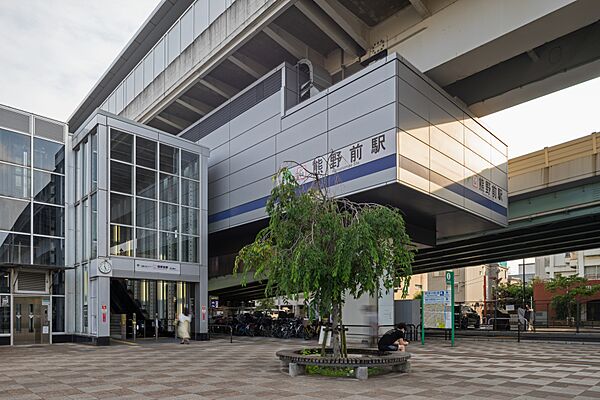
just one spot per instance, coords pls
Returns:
(32, 175)
(86, 223)
(154, 199)
(58, 301)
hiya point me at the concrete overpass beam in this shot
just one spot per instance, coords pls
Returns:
(296, 47)
(173, 121)
(421, 8)
(193, 105)
(248, 65)
(560, 56)
(330, 27)
(352, 25)
(221, 88)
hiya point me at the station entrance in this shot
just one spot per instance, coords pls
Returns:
(31, 320)
(142, 305)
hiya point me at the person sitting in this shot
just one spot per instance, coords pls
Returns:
(393, 340)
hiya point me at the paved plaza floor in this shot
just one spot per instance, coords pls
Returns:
(248, 369)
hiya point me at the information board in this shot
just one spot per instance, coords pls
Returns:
(437, 309)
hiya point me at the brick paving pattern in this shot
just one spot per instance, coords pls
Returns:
(248, 369)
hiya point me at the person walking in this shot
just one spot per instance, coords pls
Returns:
(530, 318)
(183, 326)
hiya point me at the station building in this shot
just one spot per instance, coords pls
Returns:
(107, 221)
(168, 161)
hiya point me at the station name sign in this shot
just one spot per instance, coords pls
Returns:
(158, 267)
(350, 156)
(489, 189)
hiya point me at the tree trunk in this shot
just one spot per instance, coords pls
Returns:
(335, 329)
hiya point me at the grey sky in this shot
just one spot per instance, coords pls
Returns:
(53, 51)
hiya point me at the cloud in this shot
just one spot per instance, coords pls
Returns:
(53, 52)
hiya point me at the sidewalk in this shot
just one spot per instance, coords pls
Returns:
(248, 369)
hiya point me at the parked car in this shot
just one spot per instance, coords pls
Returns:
(465, 316)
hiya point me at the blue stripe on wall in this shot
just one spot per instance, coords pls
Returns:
(354, 173)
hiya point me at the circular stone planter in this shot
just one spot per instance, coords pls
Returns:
(359, 359)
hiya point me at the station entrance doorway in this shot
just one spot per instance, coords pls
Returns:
(31, 324)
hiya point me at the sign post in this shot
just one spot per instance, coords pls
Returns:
(450, 282)
(438, 308)
(422, 320)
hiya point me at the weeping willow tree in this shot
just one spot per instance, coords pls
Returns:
(326, 248)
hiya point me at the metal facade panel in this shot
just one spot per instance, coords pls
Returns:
(190, 270)
(477, 164)
(215, 138)
(478, 145)
(376, 179)
(304, 111)
(218, 171)
(346, 115)
(499, 178)
(247, 217)
(446, 144)
(218, 187)
(365, 82)
(410, 122)
(430, 92)
(446, 167)
(264, 130)
(247, 194)
(255, 115)
(263, 169)
(365, 126)
(363, 103)
(218, 204)
(305, 130)
(413, 149)
(304, 151)
(219, 154)
(446, 123)
(252, 155)
(412, 99)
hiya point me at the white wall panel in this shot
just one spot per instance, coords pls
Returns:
(252, 155)
(445, 166)
(365, 82)
(257, 134)
(363, 127)
(363, 103)
(252, 173)
(302, 131)
(447, 145)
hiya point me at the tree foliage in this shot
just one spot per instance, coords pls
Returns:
(568, 291)
(512, 293)
(326, 248)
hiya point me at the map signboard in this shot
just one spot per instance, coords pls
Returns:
(437, 309)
